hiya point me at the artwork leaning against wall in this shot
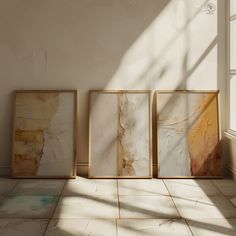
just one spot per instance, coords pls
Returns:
(120, 134)
(188, 134)
(44, 134)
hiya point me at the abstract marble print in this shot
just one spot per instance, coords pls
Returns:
(120, 134)
(43, 134)
(188, 134)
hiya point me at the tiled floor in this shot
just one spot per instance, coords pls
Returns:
(117, 207)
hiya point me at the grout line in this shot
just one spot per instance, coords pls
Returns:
(225, 196)
(189, 227)
(166, 187)
(45, 231)
(117, 185)
(59, 197)
(116, 227)
(177, 208)
(111, 218)
(7, 194)
(172, 199)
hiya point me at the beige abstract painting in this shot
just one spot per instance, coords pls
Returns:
(120, 135)
(188, 134)
(44, 134)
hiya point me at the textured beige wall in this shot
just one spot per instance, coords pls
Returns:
(105, 44)
(229, 144)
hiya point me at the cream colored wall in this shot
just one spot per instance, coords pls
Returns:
(230, 156)
(229, 137)
(106, 44)
(232, 161)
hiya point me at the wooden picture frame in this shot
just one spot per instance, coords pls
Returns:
(207, 104)
(47, 132)
(119, 173)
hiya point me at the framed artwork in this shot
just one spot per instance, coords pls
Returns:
(120, 136)
(188, 134)
(44, 134)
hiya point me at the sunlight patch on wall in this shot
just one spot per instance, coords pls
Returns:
(168, 53)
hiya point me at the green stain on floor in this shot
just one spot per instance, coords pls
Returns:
(47, 200)
(27, 206)
(34, 202)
